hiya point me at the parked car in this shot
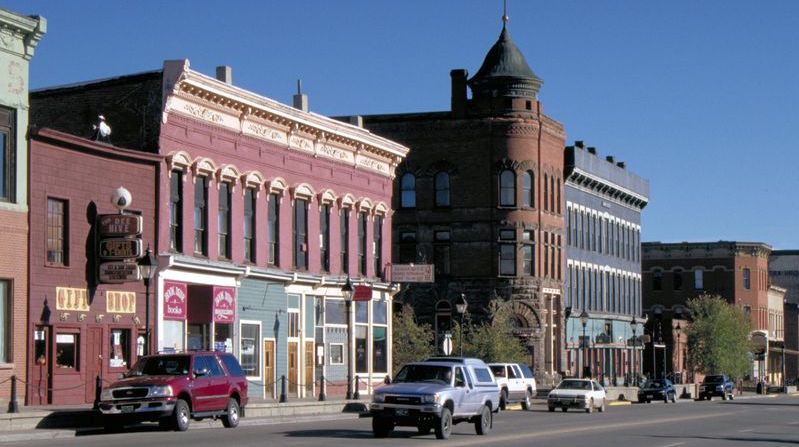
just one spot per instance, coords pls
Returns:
(717, 385)
(516, 384)
(585, 394)
(175, 388)
(657, 389)
(434, 394)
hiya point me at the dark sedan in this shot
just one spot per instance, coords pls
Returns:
(658, 389)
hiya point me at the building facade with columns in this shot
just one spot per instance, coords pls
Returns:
(480, 196)
(265, 210)
(604, 202)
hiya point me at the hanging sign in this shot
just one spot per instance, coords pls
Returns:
(175, 298)
(224, 304)
(362, 293)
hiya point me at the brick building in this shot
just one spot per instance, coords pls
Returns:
(80, 329)
(480, 196)
(783, 270)
(265, 211)
(19, 36)
(604, 201)
(673, 273)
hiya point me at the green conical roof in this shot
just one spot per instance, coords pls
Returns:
(504, 65)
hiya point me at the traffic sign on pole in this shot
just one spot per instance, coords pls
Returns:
(446, 345)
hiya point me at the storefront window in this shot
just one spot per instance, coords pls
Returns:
(119, 357)
(362, 312)
(335, 312)
(173, 335)
(361, 348)
(379, 349)
(249, 350)
(379, 310)
(198, 337)
(336, 354)
(223, 341)
(66, 351)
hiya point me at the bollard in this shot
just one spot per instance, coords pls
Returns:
(322, 396)
(13, 407)
(98, 390)
(282, 389)
(357, 395)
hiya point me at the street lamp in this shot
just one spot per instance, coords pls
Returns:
(148, 265)
(461, 306)
(634, 326)
(567, 312)
(346, 291)
(584, 322)
(677, 345)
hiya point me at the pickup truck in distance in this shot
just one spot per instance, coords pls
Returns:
(172, 389)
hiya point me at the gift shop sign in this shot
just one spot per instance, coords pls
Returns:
(175, 297)
(224, 304)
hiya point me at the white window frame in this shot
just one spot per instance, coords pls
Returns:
(259, 339)
(330, 354)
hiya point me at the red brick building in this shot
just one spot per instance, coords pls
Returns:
(480, 195)
(80, 329)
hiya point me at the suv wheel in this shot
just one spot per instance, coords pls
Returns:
(444, 424)
(382, 427)
(182, 415)
(231, 419)
(503, 400)
(724, 396)
(590, 407)
(527, 403)
(483, 423)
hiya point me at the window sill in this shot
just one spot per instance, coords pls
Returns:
(6, 366)
(57, 266)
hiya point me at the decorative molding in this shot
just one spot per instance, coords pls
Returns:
(276, 186)
(346, 201)
(327, 196)
(178, 161)
(303, 191)
(228, 173)
(204, 167)
(252, 179)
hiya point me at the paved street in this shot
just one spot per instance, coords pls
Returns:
(759, 422)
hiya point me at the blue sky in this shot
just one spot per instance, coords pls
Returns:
(699, 97)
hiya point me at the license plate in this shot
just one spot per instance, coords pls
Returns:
(648, 396)
(126, 408)
(401, 412)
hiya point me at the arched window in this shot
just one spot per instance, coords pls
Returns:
(408, 191)
(507, 188)
(528, 198)
(546, 192)
(442, 189)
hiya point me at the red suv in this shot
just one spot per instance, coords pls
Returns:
(175, 388)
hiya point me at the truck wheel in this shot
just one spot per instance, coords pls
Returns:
(483, 423)
(527, 403)
(551, 409)
(724, 396)
(444, 424)
(602, 408)
(732, 395)
(503, 399)
(182, 415)
(231, 419)
(382, 427)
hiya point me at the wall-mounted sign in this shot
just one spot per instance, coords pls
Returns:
(224, 304)
(119, 271)
(120, 302)
(68, 298)
(175, 297)
(119, 224)
(362, 293)
(120, 248)
(412, 273)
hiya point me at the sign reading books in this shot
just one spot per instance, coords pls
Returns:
(175, 297)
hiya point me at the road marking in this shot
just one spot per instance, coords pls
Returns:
(746, 430)
(674, 445)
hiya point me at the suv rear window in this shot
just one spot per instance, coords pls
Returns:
(526, 371)
(232, 365)
(714, 379)
(498, 370)
(483, 375)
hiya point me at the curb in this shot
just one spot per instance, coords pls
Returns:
(619, 403)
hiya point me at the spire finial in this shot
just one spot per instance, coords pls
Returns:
(505, 17)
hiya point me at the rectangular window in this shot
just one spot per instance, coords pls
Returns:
(335, 312)
(546, 254)
(57, 232)
(324, 237)
(66, 346)
(362, 244)
(507, 252)
(407, 247)
(300, 234)
(528, 266)
(378, 245)
(747, 278)
(379, 349)
(344, 234)
(293, 323)
(5, 321)
(699, 282)
(362, 311)
(569, 226)
(7, 155)
(336, 354)
(249, 225)
(441, 252)
(273, 229)
(250, 349)
(176, 211)
(119, 357)
(361, 348)
(223, 229)
(201, 216)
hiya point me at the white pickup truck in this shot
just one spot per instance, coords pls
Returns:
(516, 383)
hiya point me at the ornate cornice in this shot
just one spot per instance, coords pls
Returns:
(583, 180)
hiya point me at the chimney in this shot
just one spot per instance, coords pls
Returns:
(591, 150)
(355, 120)
(621, 164)
(225, 74)
(300, 100)
(579, 144)
(609, 158)
(458, 100)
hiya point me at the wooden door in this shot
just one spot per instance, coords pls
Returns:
(269, 368)
(293, 368)
(94, 361)
(309, 363)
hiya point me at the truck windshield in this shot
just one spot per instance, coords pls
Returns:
(424, 373)
(172, 365)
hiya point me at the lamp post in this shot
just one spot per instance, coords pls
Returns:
(634, 326)
(567, 312)
(678, 366)
(346, 291)
(148, 265)
(461, 306)
(584, 322)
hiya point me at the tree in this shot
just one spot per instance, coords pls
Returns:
(494, 341)
(718, 337)
(412, 341)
